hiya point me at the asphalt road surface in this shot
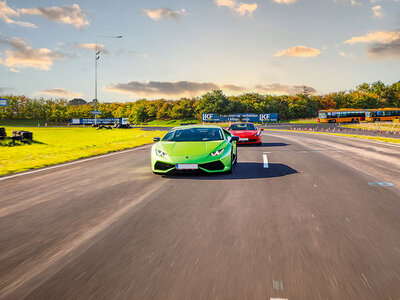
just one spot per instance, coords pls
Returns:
(304, 216)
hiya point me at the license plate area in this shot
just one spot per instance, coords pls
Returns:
(187, 166)
(243, 140)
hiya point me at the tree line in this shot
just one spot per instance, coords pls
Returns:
(304, 105)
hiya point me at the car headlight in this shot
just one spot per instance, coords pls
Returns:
(161, 153)
(216, 153)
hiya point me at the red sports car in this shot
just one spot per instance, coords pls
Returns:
(248, 133)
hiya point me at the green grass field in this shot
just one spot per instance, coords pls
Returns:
(303, 121)
(171, 123)
(56, 145)
(30, 123)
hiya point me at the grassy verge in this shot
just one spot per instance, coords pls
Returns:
(30, 123)
(171, 122)
(375, 126)
(304, 121)
(57, 145)
(374, 138)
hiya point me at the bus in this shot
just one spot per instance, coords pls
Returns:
(343, 115)
(382, 114)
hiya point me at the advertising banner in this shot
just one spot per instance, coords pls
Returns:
(257, 118)
(122, 121)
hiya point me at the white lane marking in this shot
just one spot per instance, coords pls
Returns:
(265, 158)
(45, 264)
(73, 163)
(380, 184)
(278, 285)
(266, 152)
(278, 298)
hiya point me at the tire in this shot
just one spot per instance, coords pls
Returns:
(333, 121)
(357, 120)
(236, 157)
(378, 119)
(232, 164)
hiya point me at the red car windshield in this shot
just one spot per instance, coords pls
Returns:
(244, 126)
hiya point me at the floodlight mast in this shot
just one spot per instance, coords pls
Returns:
(96, 58)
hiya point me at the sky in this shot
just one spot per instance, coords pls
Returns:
(184, 48)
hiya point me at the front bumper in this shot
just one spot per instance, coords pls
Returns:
(209, 164)
(252, 140)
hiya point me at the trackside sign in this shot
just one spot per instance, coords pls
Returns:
(122, 121)
(213, 117)
(3, 102)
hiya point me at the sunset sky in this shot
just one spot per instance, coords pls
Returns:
(187, 47)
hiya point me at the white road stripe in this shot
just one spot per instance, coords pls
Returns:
(73, 163)
(265, 158)
(278, 299)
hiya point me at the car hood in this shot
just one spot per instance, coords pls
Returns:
(190, 148)
(244, 133)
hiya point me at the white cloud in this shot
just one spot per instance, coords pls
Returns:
(229, 3)
(285, 1)
(160, 13)
(378, 12)
(91, 47)
(377, 36)
(7, 12)
(244, 9)
(298, 51)
(59, 92)
(383, 44)
(71, 15)
(22, 56)
(241, 8)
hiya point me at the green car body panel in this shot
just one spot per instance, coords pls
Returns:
(198, 152)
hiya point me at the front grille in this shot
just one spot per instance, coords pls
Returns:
(163, 166)
(252, 140)
(213, 166)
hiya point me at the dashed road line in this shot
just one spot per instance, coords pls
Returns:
(265, 158)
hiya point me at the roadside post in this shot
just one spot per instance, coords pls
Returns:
(95, 113)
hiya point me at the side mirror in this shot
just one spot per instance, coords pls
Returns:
(234, 138)
(156, 139)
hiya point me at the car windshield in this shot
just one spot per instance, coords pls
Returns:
(242, 127)
(194, 135)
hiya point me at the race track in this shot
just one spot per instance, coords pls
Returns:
(304, 216)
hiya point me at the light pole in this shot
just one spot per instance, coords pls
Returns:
(96, 58)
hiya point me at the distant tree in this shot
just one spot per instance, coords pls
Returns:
(214, 102)
(77, 102)
(307, 90)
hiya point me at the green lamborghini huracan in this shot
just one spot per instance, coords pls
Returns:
(195, 148)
